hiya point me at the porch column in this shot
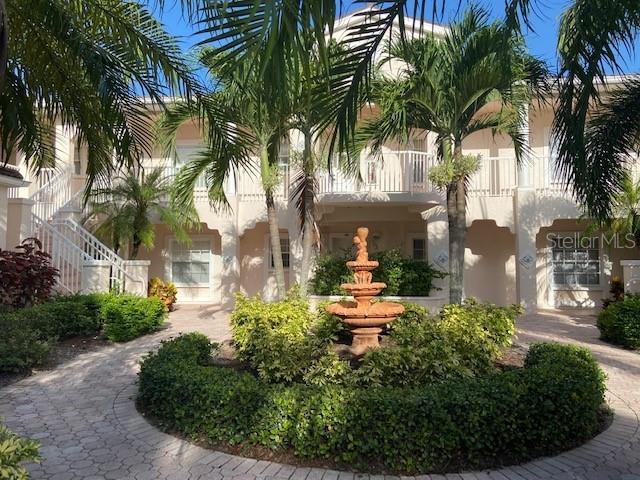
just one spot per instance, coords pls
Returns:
(19, 220)
(139, 270)
(526, 226)
(295, 251)
(4, 216)
(95, 276)
(230, 274)
(438, 244)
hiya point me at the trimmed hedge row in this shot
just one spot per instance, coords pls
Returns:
(27, 335)
(550, 405)
(619, 322)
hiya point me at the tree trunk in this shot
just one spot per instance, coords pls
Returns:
(274, 239)
(457, 217)
(4, 39)
(309, 215)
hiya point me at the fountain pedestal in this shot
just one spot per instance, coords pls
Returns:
(364, 317)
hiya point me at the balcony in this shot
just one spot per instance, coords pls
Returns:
(398, 172)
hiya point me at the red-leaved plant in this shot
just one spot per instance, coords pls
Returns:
(26, 275)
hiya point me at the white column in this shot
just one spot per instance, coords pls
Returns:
(139, 270)
(525, 167)
(295, 249)
(19, 220)
(4, 216)
(526, 225)
(438, 244)
(230, 274)
(95, 276)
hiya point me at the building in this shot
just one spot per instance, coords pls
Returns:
(523, 241)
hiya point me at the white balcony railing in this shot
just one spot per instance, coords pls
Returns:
(396, 172)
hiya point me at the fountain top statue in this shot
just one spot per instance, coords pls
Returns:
(364, 317)
(360, 241)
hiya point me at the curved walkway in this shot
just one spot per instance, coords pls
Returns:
(83, 414)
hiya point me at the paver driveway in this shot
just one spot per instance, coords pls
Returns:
(83, 413)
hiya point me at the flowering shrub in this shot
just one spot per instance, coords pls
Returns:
(26, 276)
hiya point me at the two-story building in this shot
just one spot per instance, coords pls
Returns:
(522, 241)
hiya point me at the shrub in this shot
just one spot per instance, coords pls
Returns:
(281, 340)
(462, 341)
(126, 317)
(27, 334)
(26, 276)
(13, 452)
(619, 323)
(403, 276)
(550, 405)
(165, 291)
(22, 346)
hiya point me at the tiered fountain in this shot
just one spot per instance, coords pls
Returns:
(364, 317)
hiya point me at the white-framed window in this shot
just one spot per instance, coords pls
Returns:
(284, 248)
(191, 264)
(575, 261)
(419, 248)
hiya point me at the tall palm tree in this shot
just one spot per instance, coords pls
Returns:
(94, 65)
(242, 102)
(624, 219)
(594, 150)
(123, 213)
(478, 77)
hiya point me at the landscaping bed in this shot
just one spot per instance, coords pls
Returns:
(436, 397)
(58, 329)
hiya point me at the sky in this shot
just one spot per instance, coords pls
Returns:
(541, 42)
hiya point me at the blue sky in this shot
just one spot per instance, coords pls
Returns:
(541, 42)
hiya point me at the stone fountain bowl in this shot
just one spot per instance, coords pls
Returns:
(367, 266)
(364, 289)
(375, 315)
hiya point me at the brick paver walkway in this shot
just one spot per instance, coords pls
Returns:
(84, 415)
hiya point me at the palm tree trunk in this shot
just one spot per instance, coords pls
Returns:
(457, 217)
(274, 239)
(4, 40)
(309, 215)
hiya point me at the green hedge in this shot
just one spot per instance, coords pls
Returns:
(403, 276)
(551, 405)
(126, 317)
(27, 335)
(14, 451)
(619, 322)
(284, 342)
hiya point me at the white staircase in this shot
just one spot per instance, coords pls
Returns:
(70, 245)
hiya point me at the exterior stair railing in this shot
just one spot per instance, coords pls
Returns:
(70, 245)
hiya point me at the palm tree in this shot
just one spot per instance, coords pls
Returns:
(242, 102)
(594, 150)
(449, 86)
(123, 213)
(624, 220)
(93, 65)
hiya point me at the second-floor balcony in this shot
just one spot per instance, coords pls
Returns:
(399, 172)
